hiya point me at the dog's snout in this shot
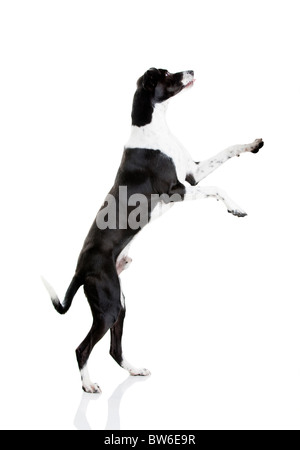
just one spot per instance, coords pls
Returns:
(188, 78)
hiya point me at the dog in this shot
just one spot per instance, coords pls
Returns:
(156, 172)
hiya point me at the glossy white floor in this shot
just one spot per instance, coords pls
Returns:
(212, 300)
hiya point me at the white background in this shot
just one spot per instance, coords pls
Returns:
(212, 300)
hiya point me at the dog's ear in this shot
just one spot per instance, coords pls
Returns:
(150, 79)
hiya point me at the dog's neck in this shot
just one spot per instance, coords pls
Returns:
(153, 132)
(156, 135)
(159, 116)
(150, 135)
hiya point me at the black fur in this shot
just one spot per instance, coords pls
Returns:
(190, 179)
(142, 171)
(96, 266)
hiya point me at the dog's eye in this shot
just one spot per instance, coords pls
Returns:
(167, 74)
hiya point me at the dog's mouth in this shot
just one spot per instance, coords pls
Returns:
(188, 79)
(190, 83)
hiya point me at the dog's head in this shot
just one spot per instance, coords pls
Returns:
(162, 85)
(155, 87)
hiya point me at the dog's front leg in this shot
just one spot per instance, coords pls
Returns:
(199, 192)
(203, 169)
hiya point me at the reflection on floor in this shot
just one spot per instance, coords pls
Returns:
(114, 402)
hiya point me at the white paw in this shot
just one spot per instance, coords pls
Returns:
(91, 388)
(133, 370)
(234, 209)
(139, 372)
(238, 212)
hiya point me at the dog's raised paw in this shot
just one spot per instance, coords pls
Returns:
(256, 146)
(237, 213)
(91, 388)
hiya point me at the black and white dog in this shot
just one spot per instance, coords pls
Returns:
(156, 171)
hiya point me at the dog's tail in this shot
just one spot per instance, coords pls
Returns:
(63, 307)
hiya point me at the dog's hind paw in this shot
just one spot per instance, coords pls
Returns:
(91, 388)
(133, 370)
(139, 372)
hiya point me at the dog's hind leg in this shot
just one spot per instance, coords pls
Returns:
(104, 298)
(117, 330)
(82, 353)
(116, 345)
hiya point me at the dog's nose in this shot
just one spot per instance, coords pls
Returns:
(190, 72)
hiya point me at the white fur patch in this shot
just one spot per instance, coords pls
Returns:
(50, 289)
(52, 293)
(157, 136)
(133, 370)
(87, 385)
(187, 78)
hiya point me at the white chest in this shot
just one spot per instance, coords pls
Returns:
(157, 136)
